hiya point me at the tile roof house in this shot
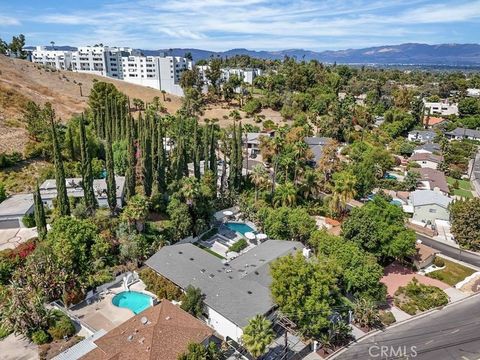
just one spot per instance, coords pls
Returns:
(162, 332)
(235, 291)
(427, 160)
(429, 206)
(430, 121)
(462, 133)
(424, 256)
(433, 180)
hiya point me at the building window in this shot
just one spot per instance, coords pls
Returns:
(433, 211)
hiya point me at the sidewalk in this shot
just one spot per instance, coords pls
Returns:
(399, 315)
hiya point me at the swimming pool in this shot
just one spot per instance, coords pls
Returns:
(135, 301)
(242, 228)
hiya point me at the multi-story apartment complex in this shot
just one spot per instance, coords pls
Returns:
(58, 59)
(158, 72)
(247, 75)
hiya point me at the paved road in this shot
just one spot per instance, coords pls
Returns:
(451, 251)
(452, 333)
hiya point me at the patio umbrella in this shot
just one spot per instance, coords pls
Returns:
(228, 213)
(261, 237)
(250, 235)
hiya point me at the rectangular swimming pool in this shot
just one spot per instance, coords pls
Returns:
(242, 228)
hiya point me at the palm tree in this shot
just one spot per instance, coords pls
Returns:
(259, 177)
(366, 313)
(311, 184)
(343, 190)
(257, 335)
(53, 44)
(285, 195)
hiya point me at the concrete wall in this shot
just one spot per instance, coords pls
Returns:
(430, 213)
(223, 326)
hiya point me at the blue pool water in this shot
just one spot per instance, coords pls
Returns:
(242, 228)
(135, 301)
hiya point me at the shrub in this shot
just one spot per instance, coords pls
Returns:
(40, 337)
(439, 262)
(4, 332)
(238, 246)
(160, 286)
(62, 327)
(417, 297)
(29, 220)
(252, 106)
(387, 318)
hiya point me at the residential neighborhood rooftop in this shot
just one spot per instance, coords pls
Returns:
(427, 157)
(237, 290)
(427, 197)
(436, 178)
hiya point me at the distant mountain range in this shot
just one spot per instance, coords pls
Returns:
(404, 54)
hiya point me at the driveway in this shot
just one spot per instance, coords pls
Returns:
(17, 348)
(396, 275)
(11, 238)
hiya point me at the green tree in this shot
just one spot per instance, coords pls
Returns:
(40, 220)
(379, 228)
(343, 191)
(87, 175)
(201, 352)
(130, 174)
(3, 193)
(259, 177)
(257, 335)
(301, 288)
(192, 301)
(285, 195)
(366, 313)
(465, 216)
(62, 200)
(136, 211)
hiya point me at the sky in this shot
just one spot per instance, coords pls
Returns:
(253, 24)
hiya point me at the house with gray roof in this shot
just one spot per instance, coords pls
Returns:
(429, 206)
(422, 135)
(431, 179)
(234, 291)
(462, 133)
(316, 144)
(15, 207)
(431, 148)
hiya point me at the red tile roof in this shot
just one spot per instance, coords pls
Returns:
(165, 335)
(431, 121)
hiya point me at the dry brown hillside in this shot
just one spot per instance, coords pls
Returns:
(21, 81)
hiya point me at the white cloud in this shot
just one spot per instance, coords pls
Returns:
(8, 21)
(223, 24)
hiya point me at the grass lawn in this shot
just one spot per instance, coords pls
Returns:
(210, 251)
(452, 274)
(463, 184)
(463, 193)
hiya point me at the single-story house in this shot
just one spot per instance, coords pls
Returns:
(431, 148)
(234, 291)
(162, 332)
(15, 207)
(429, 121)
(462, 133)
(424, 256)
(422, 135)
(429, 206)
(427, 160)
(432, 179)
(316, 145)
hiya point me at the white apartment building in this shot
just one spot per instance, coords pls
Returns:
(58, 59)
(100, 60)
(440, 108)
(162, 73)
(247, 75)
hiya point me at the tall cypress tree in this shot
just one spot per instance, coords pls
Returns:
(239, 156)
(62, 199)
(130, 174)
(162, 160)
(147, 159)
(196, 151)
(87, 173)
(111, 184)
(39, 214)
(213, 154)
(232, 175)
(206, 143)
(71, 148)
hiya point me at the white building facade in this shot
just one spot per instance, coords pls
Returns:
(440, 108)
(57, 59)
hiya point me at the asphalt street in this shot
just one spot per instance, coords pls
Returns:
(451, 333)
(451, 251)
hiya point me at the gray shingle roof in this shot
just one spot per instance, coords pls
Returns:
(464, 132)
(316, 140)
(234, 290)
(428, 197)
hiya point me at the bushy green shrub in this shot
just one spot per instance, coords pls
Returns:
(4, 332)
(238, 246)
(40, 337)
(29, 220)
(387, 318)
(416, 297)
(439, 262)
(160, 286)
(62, 327)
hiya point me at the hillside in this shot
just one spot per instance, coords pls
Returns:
(21, 81)
(411, 54)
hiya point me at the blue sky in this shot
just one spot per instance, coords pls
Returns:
(253, 24)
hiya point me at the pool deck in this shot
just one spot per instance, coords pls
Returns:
(101, 313)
